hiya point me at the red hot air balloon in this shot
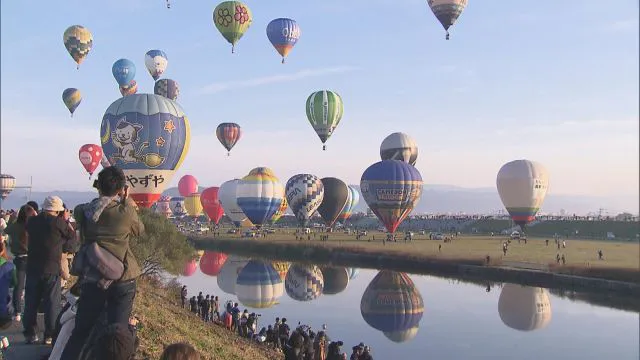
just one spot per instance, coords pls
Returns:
(187, 185)
(211, 204)
(211, 262)
(190, 268)
(90, 156)
(228, 134)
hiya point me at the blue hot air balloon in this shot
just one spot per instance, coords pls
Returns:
(259, 285)
(156, 62)
(283, 34)
(260, 195)
(391, 188)
(123, 70)
(148, 137)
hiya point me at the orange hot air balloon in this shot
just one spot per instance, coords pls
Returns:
(211, 262)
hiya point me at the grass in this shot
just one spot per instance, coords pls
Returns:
(165, 322)
(621, 259)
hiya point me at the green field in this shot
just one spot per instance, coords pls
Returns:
(535, 254)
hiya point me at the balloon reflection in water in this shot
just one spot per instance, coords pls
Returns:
(336, 280)
(524, 308)
(304, 282)
(392, 304)
(229, 273)
(259, 285)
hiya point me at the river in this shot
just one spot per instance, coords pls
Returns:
(406, 316)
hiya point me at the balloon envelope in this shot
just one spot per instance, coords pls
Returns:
(90, 156)
(193, 205)
(399, 146)
(522, 185)
(147, 136)
(352, 202)
(190, 268)
(228, 134)
(280, 212)
(229, 273)
(259, 285)
(283, 34)
(187, 185)
(304, 282)
(259, 195)
(391, 188)
(7, 184)
(156, 63)
(177, 205)
(324, 112)
(447, 11)
(232, 19)
(78, 41)
(212, 262)
(336, 280)
(130, 89)
(167, 88)
(71, 98)
(524, 308)
(228, 195)
(336, 194)
(281, 267)
(163, 206)
(304, 194)
(123, 70)
(211, 204)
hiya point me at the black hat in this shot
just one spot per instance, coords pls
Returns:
(33, 204)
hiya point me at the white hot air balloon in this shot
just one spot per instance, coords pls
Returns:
(399, 146)
(524, 308)
(228, 195)
(522, 185)
(228, 274)
(7, 184)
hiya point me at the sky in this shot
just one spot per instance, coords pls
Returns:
(555, 82)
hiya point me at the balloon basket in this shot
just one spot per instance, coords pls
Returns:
(233, 49)
(324, 147)
(78, 67)
(447, 37)
(282, 60)
(228, 154)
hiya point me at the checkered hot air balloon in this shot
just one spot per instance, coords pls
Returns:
(304, 194)
(78, 41)
(71, 98)
(304, 282)
(167, 88)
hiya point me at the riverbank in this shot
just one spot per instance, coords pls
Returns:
(165, 323)
(458, 259)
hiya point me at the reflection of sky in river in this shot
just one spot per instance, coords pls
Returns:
(460, 321)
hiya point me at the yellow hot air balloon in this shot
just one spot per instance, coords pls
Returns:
(192, 205)
(78, 41)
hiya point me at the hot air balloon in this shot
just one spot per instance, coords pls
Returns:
(304, 282)
(232, 19)
(177, 205)
(524, 308)
(304, 195)
(192, 205)
(280, 212)
(211, 204)
(336, 194)
(392, 304)
(352, 202)
(229, 273)
(392, 189)
(167, 88)
(228, 134)
(283, 34)
(399, 146)
(281, 267)
(336, 280)
(187, 185)
(190, 268)
(228, 195)
(163, 206)
(156, 62)
(7, 184)
(259, 285)
(78, 41)
(130, 89)
(522, 185)
(90, 156)
(148, 137)
(211, 262)
(71, 98)
(259, 195)
(324, 111)
(447, 11)
(123, 70)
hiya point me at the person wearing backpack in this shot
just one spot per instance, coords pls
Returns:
(110, 221)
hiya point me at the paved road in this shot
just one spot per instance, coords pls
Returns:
(18, 349)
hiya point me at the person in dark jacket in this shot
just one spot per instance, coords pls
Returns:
(49, 235)
(183, 295)
(19, 241)
(111, 220)
(7, 280)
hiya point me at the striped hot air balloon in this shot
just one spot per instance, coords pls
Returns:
(228, 134)
(447, 11)
(7, 184)
(259, 195)
(259, 285)
(352, 202)
(324, 111)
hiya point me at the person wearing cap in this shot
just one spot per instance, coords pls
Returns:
(111, 220)
(49, 235)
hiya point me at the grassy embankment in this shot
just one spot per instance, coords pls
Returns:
(621, 260)
(165, 322)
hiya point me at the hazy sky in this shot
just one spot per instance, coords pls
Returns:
(552, 81)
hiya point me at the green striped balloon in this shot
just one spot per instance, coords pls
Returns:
(324, 111)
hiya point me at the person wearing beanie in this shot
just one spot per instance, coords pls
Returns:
(49, 235)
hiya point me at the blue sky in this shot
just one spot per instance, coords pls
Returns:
(555, 82)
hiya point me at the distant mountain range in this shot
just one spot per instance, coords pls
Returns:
(435, 199)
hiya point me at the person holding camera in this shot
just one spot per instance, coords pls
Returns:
(50, 234)
(107, 224)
